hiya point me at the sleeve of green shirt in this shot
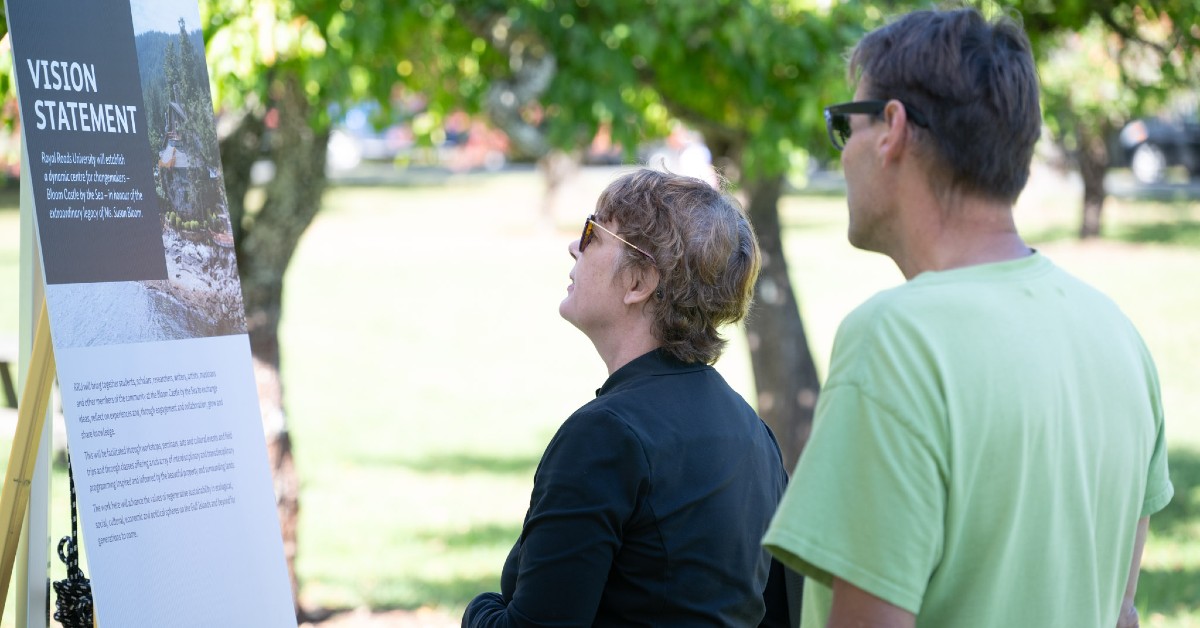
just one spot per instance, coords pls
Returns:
(1159, 489)
(866, 502)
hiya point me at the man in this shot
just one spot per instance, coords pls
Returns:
(989, 443)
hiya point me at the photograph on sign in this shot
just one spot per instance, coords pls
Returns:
(200, 294)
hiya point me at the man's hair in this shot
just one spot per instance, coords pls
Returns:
(704, 249)
(977, 86)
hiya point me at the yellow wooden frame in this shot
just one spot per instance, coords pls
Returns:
(31, 418)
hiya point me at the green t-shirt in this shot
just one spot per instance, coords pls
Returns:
(985, 443)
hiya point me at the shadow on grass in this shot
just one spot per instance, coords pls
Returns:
(1164, 591)
(492, 534)
(1182, 233)
(1174, 233)
(1168, 591)
(1178, 520)
(467, 463)
(447, 591)
(452, 594)
(456, 592)
(10, 194)
(1174, 591)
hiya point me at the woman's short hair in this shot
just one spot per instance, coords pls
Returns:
(975, 82)
(704, 249)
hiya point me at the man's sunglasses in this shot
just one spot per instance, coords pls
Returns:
(837, 118)
(589, 233)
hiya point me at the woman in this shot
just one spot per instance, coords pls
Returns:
(650, 502)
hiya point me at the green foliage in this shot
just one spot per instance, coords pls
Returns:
(341, 53)
(755, 73)
(1083, 86)
(751, 75)
(1104, 64)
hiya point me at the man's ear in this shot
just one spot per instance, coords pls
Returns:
(893, 142)
(642, 284)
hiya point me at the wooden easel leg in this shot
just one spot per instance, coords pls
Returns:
(31, 417)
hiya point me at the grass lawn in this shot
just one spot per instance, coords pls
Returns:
(426, 368)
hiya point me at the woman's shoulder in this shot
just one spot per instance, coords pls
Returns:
(599, 422)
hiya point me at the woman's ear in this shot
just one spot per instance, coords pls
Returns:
(642, 286)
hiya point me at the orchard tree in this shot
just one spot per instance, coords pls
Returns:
(1086, 101)
(1103, 64)
(281, 70)
(278, 70)
(751, 76)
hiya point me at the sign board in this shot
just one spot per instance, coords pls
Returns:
(176, 505)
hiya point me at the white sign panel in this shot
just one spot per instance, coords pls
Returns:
(175, 498)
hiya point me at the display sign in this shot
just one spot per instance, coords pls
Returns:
(176, 505)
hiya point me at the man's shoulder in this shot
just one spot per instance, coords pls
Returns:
(954, 296)
(893, 310)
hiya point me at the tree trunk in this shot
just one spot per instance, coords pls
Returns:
(241, 146)
(265, 248)
(784, 373)
(1093, 165)
(557, 167)
(506, 104)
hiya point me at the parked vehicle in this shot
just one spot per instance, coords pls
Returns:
(356, 137)
(466, 143)
(1152, 145)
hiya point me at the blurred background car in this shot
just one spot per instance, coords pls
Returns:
(1152, 145)
(359, 137)
(364, 135)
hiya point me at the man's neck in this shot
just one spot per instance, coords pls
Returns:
(964, 231)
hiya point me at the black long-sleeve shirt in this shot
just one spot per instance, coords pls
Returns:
(648, 509)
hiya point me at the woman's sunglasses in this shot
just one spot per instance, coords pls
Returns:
(837, 118)
(589, 233)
